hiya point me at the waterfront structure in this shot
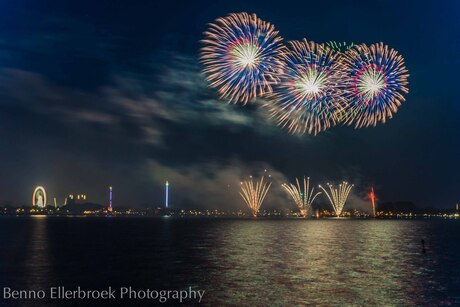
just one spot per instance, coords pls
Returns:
(39, 197)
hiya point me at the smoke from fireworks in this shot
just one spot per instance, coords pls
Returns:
(302, 198)
(338, 196)
(253, 193)
(377, 82)
(242, 56)
(309, 92)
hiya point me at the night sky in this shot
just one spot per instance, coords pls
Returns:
(99, 93)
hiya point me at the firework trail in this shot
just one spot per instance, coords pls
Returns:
(309, 93)
(241, 57)
(302, 198)
(338, 196)
(377, 80)
(253, 193)
(339, 46)
(372, 197)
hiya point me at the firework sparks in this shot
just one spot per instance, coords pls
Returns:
(241, 57)
(372, 197)
(309, 92)
(339, 46)
(302, 198)
(377, 80)
(341, 114)
(253, 193)
(338, 196)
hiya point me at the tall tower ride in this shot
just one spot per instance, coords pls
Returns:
(110, 200)
(166, 194)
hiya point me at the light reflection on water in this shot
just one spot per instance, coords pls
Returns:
(276, 262)
(351, 262)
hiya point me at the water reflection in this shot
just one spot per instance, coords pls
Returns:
(318, 262)
(39, 263)
(240, 262)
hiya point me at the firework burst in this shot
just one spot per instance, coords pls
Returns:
(302, 198)
(377, 80)
(253, 193)
(309, 92)
(241, 57)
(338, 196)
(339, 46)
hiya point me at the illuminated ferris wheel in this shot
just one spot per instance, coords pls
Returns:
(39, 197)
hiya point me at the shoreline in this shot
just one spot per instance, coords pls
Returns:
(249, 218)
